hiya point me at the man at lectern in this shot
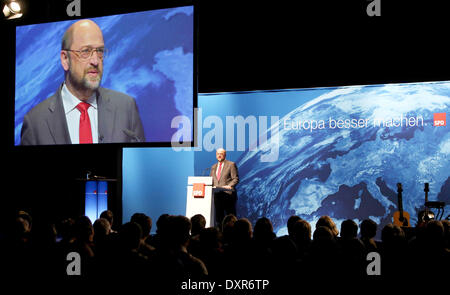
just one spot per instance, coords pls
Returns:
(225, 178)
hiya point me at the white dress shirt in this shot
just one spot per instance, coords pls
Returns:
(70, 103)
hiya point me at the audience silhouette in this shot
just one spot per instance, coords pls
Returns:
(184, 249)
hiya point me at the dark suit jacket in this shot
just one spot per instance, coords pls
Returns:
(228, 176)
(118, 120)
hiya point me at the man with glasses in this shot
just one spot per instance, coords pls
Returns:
(81, 111)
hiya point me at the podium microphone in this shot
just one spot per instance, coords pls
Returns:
(205, 171)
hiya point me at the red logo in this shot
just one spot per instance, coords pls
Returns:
(439, 119)
(198, 190)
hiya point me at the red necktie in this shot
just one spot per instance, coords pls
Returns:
(85, 123)
(219, 171)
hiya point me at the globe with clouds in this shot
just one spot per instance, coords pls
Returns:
(365, 140)
(150, 57)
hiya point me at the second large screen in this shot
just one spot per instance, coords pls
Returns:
(148, 79)
(337, 151)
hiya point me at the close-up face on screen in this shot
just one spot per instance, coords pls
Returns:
(134, 72)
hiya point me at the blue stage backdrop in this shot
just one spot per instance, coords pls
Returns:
(324, 151)
(154, 181)
(150, 57)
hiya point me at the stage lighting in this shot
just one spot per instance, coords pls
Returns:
(12, 10)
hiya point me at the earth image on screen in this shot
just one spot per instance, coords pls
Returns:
(366, 140)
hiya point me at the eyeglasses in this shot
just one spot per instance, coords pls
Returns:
(87, 52)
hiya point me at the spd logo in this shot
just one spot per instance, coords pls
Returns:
(440, 119)
(198, 190)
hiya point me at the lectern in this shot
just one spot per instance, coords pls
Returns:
(199, 198)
